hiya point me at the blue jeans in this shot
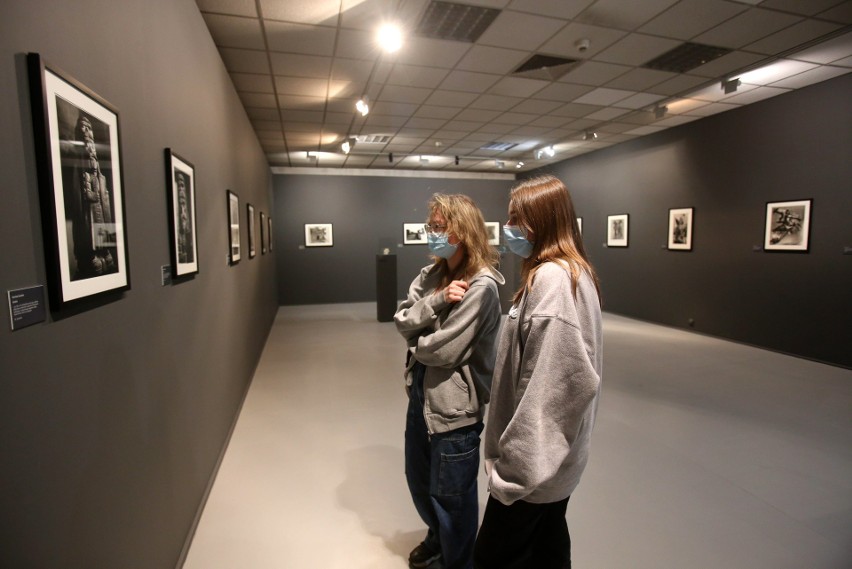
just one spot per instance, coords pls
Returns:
(441, 471)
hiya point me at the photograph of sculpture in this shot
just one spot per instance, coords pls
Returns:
(616, 232)
(680, 229)
(263, 235)
(788, 226)
(413, 234)
(318, 235)
(233, 227)
(78, 158)
(252, 248)
(180, 178)
(493, 230)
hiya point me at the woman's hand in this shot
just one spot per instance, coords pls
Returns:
(455, 291)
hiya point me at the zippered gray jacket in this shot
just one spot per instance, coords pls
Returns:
(547, 381)
(457, 344)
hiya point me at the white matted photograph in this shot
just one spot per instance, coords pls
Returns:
(318, 235)
(788, 226)
(616, 230)
(680, 229)
(493, 230)
(413, 234)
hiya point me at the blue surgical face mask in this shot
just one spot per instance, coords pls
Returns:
(517, 241)
(439, 244)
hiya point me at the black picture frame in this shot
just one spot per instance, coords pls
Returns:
(788, 226)
(414, 234)
(269, 232)
(183, 221)
(252, 247)
(617, 227)
(681, 229)
(234, 251)
(262, 233)
(81, 186)
(319, 235)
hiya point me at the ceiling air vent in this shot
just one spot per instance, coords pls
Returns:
(373, 138)
(459, 22)
(499, 146)
(685, 57)
(547, 67)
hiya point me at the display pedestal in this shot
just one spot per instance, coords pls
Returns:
(385, 287)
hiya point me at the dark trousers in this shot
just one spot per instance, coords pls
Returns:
(523, 536)
(441, 471)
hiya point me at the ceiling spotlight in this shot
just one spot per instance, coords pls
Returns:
(660, 112)
(312, 156)
(348, 144)
(363, 106)
(590, 135)
(548, 151)
(390, 38)
(519, 165)
(730, 85)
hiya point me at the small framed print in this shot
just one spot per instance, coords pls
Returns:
(180, 178)
(263, 235)
(252, 248)
(414, 234)
(616, 230)
(269, 232)
(79, 164)
(492, 228)
(233, 227)
(318, 235)
(680, 229)
(788, 226)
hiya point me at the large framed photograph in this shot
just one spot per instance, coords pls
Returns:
(414, 234)
(252, 248)
(263, 236)
(788, 226)
(180, 181)
(318, 235)
(616, 230)
(79, 163)
(233, 227)
(492, 228)
(680, 229)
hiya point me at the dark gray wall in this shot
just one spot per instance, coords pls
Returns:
(112, 419)
(367, 213)
(794, 146)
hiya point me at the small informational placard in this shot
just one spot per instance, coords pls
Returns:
(26, 306)
(166, 275)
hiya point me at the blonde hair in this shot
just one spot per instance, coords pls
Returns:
(465, 220)
(543, 206)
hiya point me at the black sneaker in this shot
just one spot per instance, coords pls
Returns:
(423, 556)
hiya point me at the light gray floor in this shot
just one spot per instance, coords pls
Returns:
(706, 454)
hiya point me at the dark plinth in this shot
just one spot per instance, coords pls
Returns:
(385, 287)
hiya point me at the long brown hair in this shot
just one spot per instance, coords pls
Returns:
(543, 206)
(465, 220)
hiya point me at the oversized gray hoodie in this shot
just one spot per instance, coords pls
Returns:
(547, 380)
(457, 344)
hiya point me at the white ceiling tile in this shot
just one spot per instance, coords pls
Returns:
(450, 99)
(677, 85)
(300, 65)
(352, 70)
(414, 76)
(747, 28)
(637, 49)
(262, 114)
(689, 18)
(712, 109)
(538, 106)
(495, 102)
(435, 112)
(496, 129)
(642, 130)
(233, 7)
(640, 79)
(623, 15)
(842, 13)
(606, 114)
(561, 92)
(301, 86)
(516, 118)
(356, 44)
(575, 110)
(565, 9)
(363, 14)
(299, 38)
(564, 43)
(299, 102)
(244, 60)
(399, 94)
(425, 123)
(234, 31)
(301, 11)
(514, 30)
(845, 62)
(252, 82)
(813, 76)
(432, 52)
(595, 73)
(479, 115)
(398, 108)
(638, 101)
(829, 51)
(681, 106)
(469, 81)
(727, 64)
(486, 59)
(259, 100)
(603, 97)
(775, 71)
(794, 36)
(804, 7)
(517, 87)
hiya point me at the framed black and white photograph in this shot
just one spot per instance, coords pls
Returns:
(180, 178)
(414, 234)
(580, 224)
(263, 233)
(269, 232)
(680, 229)
(788, 226)
(493, 230)
(79, 163)
(233, 227)
(252, 246)
(318, 235)
(616, 230)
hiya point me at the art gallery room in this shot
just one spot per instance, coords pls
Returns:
(213, 209)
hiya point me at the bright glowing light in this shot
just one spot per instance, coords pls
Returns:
(363, 106)
(345, 147)
(390, 38)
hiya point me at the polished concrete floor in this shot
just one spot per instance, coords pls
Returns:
(706, 454)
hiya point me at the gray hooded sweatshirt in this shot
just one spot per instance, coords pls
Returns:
(457, 344)
(547, 380)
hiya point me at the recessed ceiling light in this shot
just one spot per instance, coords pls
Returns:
(390, 38)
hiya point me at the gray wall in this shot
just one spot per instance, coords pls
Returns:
(794, 146)
(367, 213)
(112, 419)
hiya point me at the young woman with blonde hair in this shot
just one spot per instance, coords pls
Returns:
(546, 385)
(450, 322)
